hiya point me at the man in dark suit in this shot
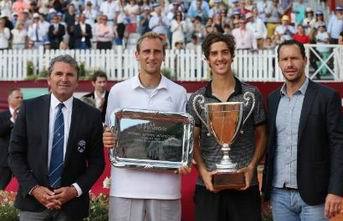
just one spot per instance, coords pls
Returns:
(304, 163)
(56, 151)
(82, 34)
(56, 32)
(7, 119)
(98, 98)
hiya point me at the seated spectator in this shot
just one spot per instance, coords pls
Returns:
(4, 34)
(69, 20)
(178, 28)
(257, 27)
(284, 30)
(199, 8)
(108, 7)
(19, 6)
(198, 27)
(33, 7)
(144, 19)
(58, 6)
(335, 25)
(6, 8)
(299, 8)
(309, 20)
(103, 33)
(122, 20)
(56, 32)
(19, 36)
(319, 21)
(82, 34)
(132, 11)
(37, 32)
(194, 44)
(90, 13)
(273, 14)
(244, 37)
(235, 17)
(217, 23)
(300, 35)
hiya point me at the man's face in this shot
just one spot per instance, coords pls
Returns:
(82, 18)
(220, 58)
(292, 63)
(63, 80)
(150, 56)
(100, 84)
(55, 19)
(15, 99)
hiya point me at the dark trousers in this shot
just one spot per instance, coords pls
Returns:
(5, 177)
(227, 205)
(104, 45)
(46, 215)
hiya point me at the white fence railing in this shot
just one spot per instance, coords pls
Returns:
(184, 65)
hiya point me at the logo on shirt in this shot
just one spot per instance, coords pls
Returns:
(169, 99)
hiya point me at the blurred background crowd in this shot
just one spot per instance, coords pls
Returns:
(103, 24)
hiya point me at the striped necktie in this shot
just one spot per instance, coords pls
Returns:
(56, 159)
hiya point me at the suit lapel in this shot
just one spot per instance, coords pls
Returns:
(74, 125)
(44, 122)
(274, 104)
(310, 95)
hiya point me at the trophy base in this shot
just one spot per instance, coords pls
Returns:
(228, 180)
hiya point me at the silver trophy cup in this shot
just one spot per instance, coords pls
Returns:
(224, 121)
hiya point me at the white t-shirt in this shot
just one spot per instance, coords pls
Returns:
(142, 184)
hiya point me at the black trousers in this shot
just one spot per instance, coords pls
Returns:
(104, 45)
(5, 177)
(227, 205)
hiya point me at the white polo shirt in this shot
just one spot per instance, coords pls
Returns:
(142, 184)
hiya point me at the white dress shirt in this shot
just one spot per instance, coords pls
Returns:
(67, 112)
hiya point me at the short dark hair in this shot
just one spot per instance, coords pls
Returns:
(98, 74)
(291, 42)
(64, 59)
(11, 90)
(214, 37)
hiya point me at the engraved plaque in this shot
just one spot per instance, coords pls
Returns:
(151, 139)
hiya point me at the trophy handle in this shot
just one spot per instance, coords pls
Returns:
(247, 97)
(201, 100)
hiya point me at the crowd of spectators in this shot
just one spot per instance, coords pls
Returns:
(102, 24)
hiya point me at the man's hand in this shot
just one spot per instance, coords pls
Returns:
(207, 178)
(65, 194)
(248, 173)
(46, 197)
(333, 205)
(109, 139)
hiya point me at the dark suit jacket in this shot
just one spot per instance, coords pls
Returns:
(55, 39)
(6, 126)
(77, 36)
(28, 153)
(103, 112)
(320, 145)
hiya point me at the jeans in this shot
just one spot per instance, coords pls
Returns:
(287, 205)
